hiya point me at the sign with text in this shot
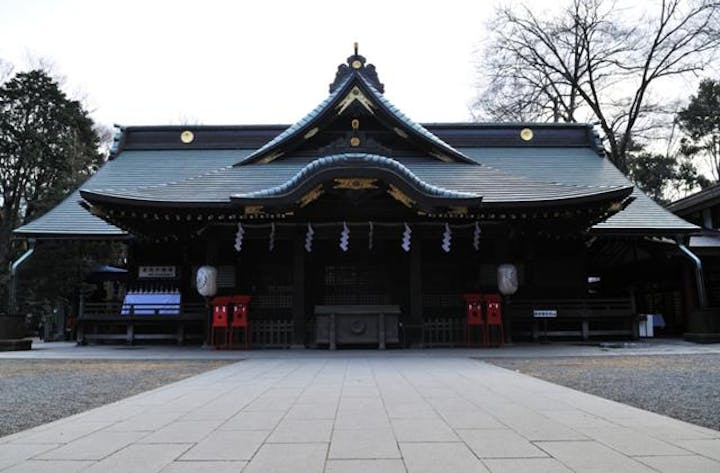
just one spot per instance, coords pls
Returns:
(544, 313)
(161, 272)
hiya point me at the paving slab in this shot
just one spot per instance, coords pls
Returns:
(670, 464)
(525, 465)
(365, 466)
(364, 443)
(41, 466)
(499, 444)
(445, 457)
(289, 458)
(348, 412)
(204, 467)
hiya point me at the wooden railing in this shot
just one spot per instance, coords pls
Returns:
(113, 309)
(271, 333)
(101, 321)
(116, 321)
(581, 318)
(443, 331)
(577, 317)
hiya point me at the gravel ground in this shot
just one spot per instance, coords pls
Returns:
(34, 392)
(685, 387)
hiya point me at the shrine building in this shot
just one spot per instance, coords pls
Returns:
(357, 226)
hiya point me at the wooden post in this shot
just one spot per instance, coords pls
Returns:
(381, 331)
(298, 304)
(415, 277)
(212, 252)
(180, 333)
(333, 333)
(80, 324)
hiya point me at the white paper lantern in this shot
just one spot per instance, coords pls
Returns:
(206, 281)
(507, 277)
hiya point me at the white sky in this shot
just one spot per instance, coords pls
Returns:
(239, 62)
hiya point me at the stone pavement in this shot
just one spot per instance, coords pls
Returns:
(347, 412)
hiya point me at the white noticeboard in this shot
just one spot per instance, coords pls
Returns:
(544, 313)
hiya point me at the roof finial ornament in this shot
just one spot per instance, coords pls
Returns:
(356, 63)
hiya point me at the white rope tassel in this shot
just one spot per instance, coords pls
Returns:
(476, 237)
(370, 236)
(345, 237)
(447, 239)
(239, 238)
(407, 235)
(309, 238)
(271, 243)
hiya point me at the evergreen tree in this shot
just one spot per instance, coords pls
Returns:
(48, 146)
(700, 121)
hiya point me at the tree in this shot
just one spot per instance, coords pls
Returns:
(662, 175)
(597, 60)
(700, 121)
(48, 146)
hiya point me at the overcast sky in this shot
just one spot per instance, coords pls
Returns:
(236, 62)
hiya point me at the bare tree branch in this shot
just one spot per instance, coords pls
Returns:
(595, 59)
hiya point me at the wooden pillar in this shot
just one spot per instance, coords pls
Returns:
(212, 253)
(415, 334)
(298, 305)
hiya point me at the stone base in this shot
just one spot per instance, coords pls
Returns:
(16, 344)
(11, 327)
(703, 326)
(702, 337)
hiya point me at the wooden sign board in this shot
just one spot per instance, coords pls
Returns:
(161, 272)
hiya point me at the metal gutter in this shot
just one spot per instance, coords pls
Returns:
(12, 297)
(699, 279)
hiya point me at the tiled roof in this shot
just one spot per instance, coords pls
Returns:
(505, 174)
(129, 170)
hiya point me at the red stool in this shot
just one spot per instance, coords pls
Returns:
(219, 321)
(473, 307)
(240, 319)
(494, 318)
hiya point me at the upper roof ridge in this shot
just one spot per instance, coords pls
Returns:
(357, 83)
(356, 63)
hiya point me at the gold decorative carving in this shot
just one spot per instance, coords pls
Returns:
(271, 157)
(615, 207)
(253, 209)
(355, 94)
(355, 183)
(401, 197)
(458, 210)
(526, 134)
(441, 157)
(354, 141)
(355, 123)
(311, 196)
(356, 64)
(311, 133)
(96, 211)
(187, 136)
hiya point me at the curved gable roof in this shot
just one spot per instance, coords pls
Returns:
(354, 87)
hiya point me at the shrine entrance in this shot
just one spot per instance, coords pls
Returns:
(358, 297)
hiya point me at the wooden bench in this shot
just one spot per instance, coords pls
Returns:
(582, 318)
